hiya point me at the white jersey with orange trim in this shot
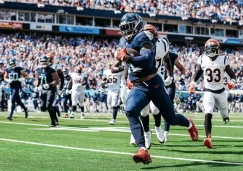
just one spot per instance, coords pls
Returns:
(213, 71)
(77, 82)
(113, 80)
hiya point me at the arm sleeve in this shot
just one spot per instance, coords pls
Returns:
(145, 60)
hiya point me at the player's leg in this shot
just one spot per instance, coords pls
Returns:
(13, 94)
(221, 101)
(145, 121)
(75, 99)
(136, 101)
(81, 103)
(157, 120)
(50, 97)
(162, 101)
(65, 100)
(208, 103)
(20, 103)
(171, 90)
(114, 105)
(110, 97)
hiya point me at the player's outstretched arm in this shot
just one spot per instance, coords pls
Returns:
(180, 67)
(195, 77)
(56, 79)
(6, 77)
(230, 72)
(168, 65)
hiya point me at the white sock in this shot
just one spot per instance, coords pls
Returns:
(189, 127)
(166, 133)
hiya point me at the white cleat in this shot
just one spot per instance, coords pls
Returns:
(166, 134)
(72, 117)
(147, 138)
(132, 140)
(160, 134)
(82, 116)
(112, 122)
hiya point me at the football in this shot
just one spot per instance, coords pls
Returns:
(132, 52)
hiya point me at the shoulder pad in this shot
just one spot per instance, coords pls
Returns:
(139, 40)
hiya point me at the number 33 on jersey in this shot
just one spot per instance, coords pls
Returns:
(113, 81)
(213, 71)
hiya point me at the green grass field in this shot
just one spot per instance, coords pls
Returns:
(92, 144)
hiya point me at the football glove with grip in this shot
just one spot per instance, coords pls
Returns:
(168, 81)
(231, 84)
(129, 84)
(182, 80)
(121, 54)
(46, 86)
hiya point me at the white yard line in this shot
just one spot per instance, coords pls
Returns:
(119, 153)
(97, 129)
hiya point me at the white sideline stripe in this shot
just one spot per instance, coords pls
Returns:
(116, 152)
(95, 129)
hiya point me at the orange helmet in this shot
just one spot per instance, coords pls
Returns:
(212, 48)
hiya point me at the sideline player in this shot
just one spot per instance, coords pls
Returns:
(113, 83)
(14, 76)
(142, 71)
(77, 93)
(47, 80)
(66, 96)
(213, 65)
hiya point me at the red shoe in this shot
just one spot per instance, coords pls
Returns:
(208, 142)
(193, 131)
(142, 156)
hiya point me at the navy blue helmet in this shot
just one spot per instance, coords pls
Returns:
(12, 63)
(44, 61)
(131, 24)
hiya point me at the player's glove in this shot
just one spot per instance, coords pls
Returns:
(129, 84)
(226, 120)
(121, 54)
(46, 86)
(36, 89)
(192, 87)
(182, 82)
(39, 88)
(168, 81)
(231, 84)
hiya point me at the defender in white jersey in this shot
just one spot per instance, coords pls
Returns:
(113, 83)
(213, 66)
(77, 94)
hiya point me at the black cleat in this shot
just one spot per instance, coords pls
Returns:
(9, 118)
(26, 114)
(52, 125)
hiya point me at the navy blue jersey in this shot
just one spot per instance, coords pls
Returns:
(66, 81)
(122, 42)
(45, 75)
(14, 74)
(144, 65)
(29, 81)
(162, 70)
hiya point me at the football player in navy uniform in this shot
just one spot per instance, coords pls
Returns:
(67, 102)
(147, 85)
(14, 76)
(47, 82)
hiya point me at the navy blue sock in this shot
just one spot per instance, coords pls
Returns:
(137, 129)
(166, 126)
(114, 112)
(157, 119)
(177, 119)
(145, 121)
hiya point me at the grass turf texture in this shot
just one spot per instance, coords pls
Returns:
(75, 138)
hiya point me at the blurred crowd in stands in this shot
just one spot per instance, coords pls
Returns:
(215, 10)
(96, 55)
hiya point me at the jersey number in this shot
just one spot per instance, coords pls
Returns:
(43, 80)
(13, 76)
(112, 79)
(158, 62)
(210, 73)
(77, 81)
